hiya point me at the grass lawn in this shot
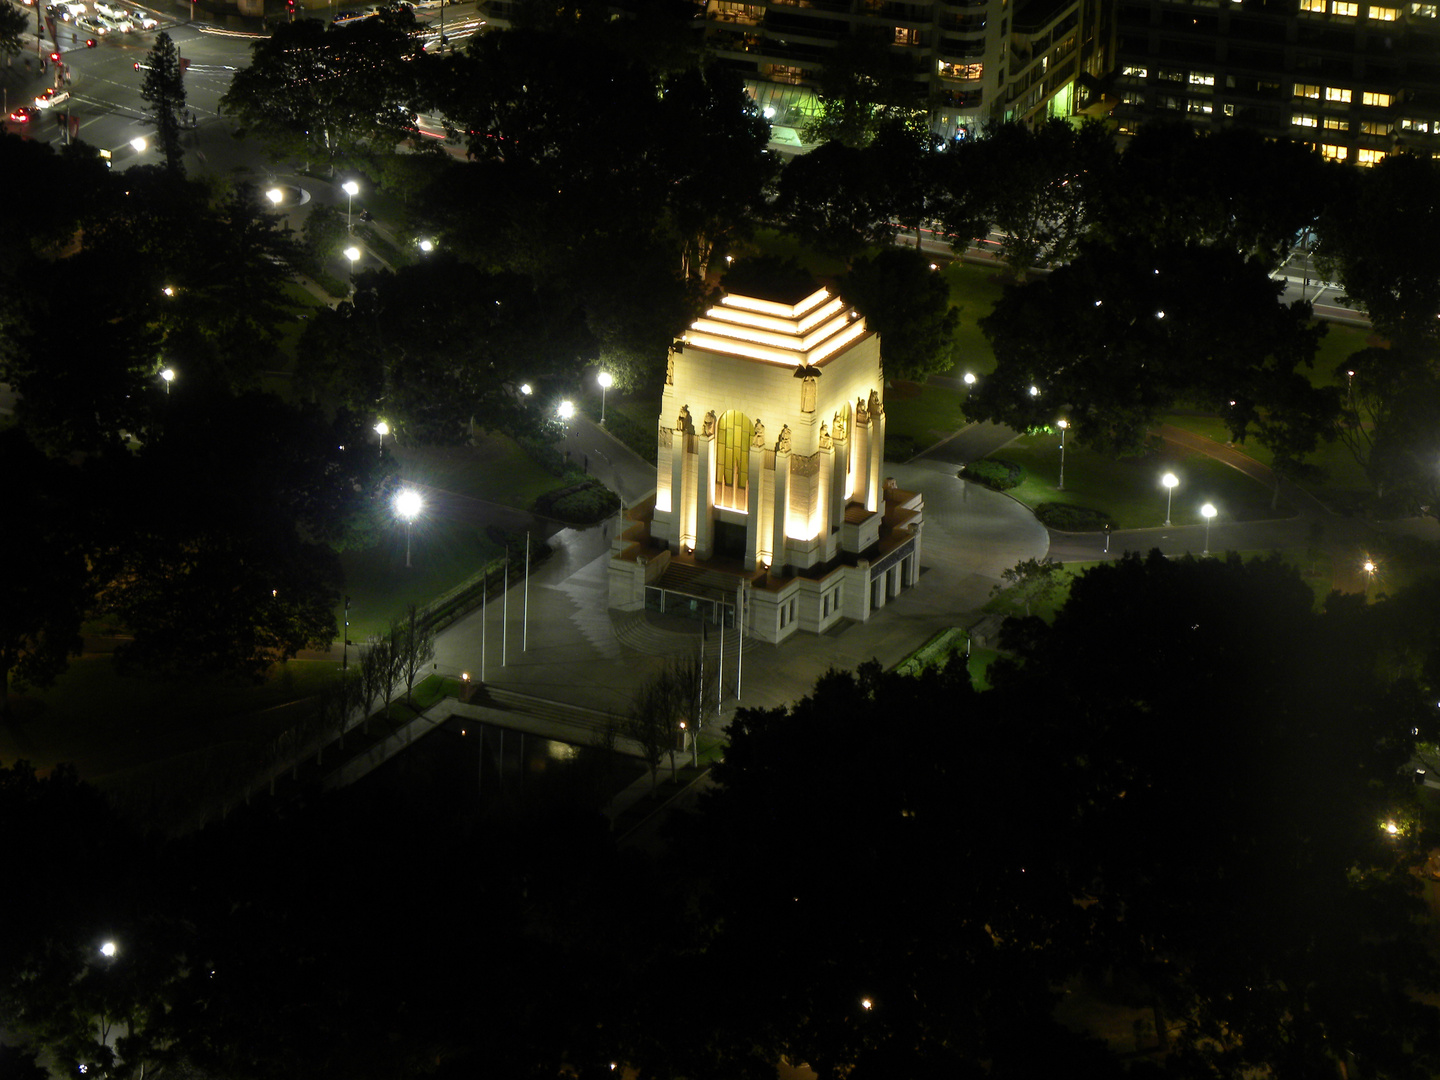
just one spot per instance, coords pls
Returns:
(973, 292)
(1336, 346)
(495, 470)
(1129, 489)
(924, 415)
(110, 723)
(1335, 477)
(448, 544)
(381, 587)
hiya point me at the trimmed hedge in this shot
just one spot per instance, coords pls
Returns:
(582, 504)
(1067, 518)
(995, 473)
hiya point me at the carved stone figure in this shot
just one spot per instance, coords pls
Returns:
(825, 441)
(710, 423)
(685, 425)
(877, 407)
(862, 415)
(759, 440)
(782, 444)
(670, 370)
(838, 425)
(807, 394)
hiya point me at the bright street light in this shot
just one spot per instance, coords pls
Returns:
(427, 246)
(1171, 481)
(1034, 391)
(382, 429)
(1207, 512)
(351, 189)
(108, 949)
(139, 144)
(969, 378)
(275, 195)
(566, 409)
(1064, 426)
(526, 389)
(353, 254)
(605, 382)
(408, 505)
(169, 376)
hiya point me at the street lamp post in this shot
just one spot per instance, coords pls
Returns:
(353, 254)
(169, 376)
(1171, 481)
(382, 429)
(351, 189)
(1207, 512)
(1064, 426)
(276, 196)
(565, 410)
(1369, 567)
(605, 382)
(408, 505)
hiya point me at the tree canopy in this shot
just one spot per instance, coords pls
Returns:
(1116, 337)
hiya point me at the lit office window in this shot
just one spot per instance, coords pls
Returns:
(1369, 157)
(1384, 14)
(1370, 97)
(1304, 120)
(1334, 153)
(1306, 90)
(1201, 78)
(1337, 93)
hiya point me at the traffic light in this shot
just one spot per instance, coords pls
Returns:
(90, 43)
(55, 58)
(137, 65)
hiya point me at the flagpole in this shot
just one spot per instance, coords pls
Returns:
(525, 620)
(720, 667)
(505, 609)
(484, 598)
(740, 637)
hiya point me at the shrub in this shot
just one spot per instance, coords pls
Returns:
(1068, 518)
(995, 473)
(583, 504)
(547, 456)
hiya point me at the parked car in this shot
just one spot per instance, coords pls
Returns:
(51, 98)
(92, 25)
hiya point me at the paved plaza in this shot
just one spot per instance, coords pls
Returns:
(577, 651)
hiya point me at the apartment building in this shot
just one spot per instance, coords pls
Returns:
(974, 60)
(1357, 80)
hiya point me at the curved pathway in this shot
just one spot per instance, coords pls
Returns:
(1344, 538)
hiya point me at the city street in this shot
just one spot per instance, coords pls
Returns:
(105, 105)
